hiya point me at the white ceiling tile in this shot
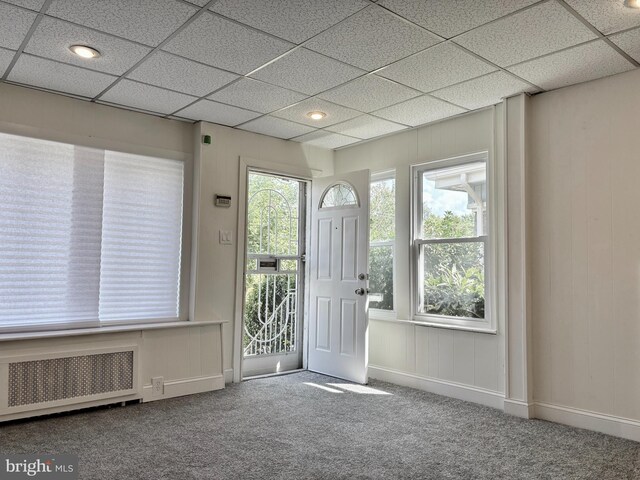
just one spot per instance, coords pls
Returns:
(276, 127)
(146, 97)
(5, 59)
(575, 65)
(335, 113)
(176, 73)
(56, 76)
(293, 20)
(629, 42)
(325, 139)
(257, 96)
(16, 22)
(366, 127)
(608, 16)
(307, 72)
(448, 18)
(52, 39)
(419, 111)
(226, 44)
(483, 91)
(30, 4)
(371, 39)
(369, 93)
(437, 67)
(536, 31)
(145, 21)
(217, 113)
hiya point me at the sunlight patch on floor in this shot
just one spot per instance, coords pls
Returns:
(328, 389)
(362, 389)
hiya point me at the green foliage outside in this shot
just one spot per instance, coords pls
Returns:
(453, 272)
(264, 294)
(272, 229)
(382, 229)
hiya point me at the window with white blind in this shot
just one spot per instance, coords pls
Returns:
(87, 236)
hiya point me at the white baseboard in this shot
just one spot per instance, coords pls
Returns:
(518, 408)
(188, 386)
(228, 375)
(609, 424)
(440, 387)
(67, 408)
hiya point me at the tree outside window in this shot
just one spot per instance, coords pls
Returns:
(382, 242)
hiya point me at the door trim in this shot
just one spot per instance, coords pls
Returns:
(248, 164)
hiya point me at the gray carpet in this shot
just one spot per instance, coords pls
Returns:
(283, 428)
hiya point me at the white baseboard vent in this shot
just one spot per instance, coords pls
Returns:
(42, 382)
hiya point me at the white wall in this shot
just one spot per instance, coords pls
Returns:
(584, 237)
(219, 166)
(188, 358)
(474, 360)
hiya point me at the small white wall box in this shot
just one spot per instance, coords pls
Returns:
(222, 200)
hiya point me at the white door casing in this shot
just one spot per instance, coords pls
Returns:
(339, 257)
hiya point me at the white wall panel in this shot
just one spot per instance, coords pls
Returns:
(584, 234)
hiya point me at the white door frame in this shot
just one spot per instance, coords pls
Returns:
(299, 173)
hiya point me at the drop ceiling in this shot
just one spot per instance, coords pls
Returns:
(374, 67)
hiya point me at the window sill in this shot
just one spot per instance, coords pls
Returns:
(424, 323)
(7, 337)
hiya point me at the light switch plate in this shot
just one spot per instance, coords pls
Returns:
(225, 237)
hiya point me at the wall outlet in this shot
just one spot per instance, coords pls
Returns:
(157, 386)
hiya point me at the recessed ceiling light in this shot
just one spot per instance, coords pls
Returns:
(632, 3)
(316, 115)
(84, 51)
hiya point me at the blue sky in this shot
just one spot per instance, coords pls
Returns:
(440, 201)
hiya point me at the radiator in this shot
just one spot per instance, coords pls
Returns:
(67, 379)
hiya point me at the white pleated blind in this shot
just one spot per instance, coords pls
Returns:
(86, 236)
(141, 234)
(50, 224)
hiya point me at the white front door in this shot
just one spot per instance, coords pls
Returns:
(338, 317)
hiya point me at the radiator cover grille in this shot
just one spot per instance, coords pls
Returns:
(39, 381)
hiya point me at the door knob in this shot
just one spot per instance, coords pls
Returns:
(362, 291)
(363, 276)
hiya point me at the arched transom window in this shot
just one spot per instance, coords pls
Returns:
(339, 195)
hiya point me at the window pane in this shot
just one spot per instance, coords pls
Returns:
(383, 210)
(141, 238)
(272, 227)
(271, 302)
(454, 201)
(50, 221)
(454, 279)
(381, 277)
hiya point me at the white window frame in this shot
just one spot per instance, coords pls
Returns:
(377, 313)
(488, 324)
